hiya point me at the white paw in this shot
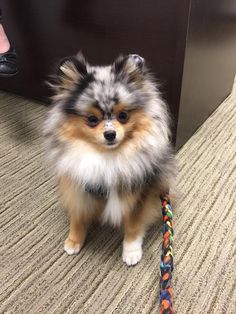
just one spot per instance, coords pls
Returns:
(71, 247)
(132, 257)
(132, 251)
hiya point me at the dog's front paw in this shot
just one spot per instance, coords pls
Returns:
(132, 257)
(71, 247)
(132, 252)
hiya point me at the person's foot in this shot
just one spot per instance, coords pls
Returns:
(8, 60)
(4, 42)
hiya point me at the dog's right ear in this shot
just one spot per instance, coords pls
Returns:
(69, 72)
(131, 67)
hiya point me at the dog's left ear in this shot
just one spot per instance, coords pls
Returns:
(69, 72)
(131, 66)
(73, 68)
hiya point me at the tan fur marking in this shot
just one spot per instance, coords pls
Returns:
(82, 209)
(78, 229)
(146, 210)
(76, 128)
(138, 126)
(119, 107)
(84, 205)
(95, 111)
(78, 221)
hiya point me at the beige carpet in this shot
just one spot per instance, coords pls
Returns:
(36, 276)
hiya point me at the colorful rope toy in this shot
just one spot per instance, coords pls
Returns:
(166, 266)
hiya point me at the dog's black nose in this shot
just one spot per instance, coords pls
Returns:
(110, 135)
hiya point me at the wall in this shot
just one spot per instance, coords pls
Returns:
(210, 63)
(45, 31)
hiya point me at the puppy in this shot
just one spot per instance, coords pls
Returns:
(108, 140)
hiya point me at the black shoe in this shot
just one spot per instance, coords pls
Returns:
(8, 63)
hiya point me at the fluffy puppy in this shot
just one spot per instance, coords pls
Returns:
(107, 137)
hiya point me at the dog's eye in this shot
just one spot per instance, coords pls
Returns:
(93, 121)
(123, 117)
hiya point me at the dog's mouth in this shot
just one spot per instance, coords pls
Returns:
(112, 144)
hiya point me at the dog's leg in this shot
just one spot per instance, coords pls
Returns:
(72, 198)
(133, 239)
(136, 220)
(77, 235)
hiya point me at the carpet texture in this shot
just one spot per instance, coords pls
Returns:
(36, 276)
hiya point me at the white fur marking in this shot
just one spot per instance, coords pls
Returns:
(132, 251)
(113, 209)
(103, 73)
(71, 250)
(108, 125)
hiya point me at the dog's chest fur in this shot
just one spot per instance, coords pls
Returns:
(114, 209)
(114, 205)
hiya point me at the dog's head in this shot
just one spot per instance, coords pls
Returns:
(106, 106)
(108, 124)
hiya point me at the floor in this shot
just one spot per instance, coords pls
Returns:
(38, 277)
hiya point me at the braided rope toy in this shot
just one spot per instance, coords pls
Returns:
(166, 266)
